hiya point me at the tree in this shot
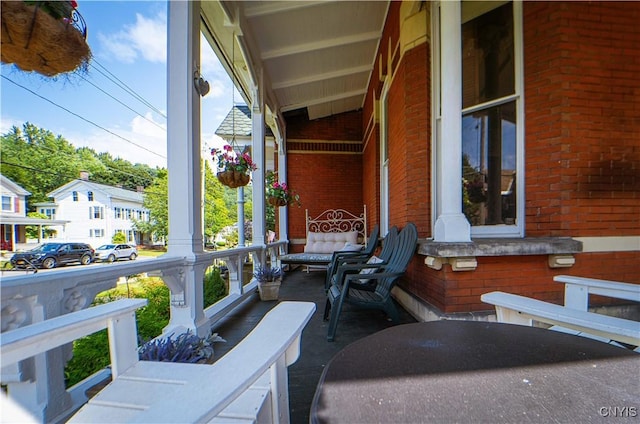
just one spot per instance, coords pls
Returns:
(40, 161)
(156, 201)
(216, 213)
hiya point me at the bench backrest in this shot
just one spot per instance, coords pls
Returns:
(338, 221)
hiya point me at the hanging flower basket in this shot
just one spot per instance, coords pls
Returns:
(233, 169)
(49, 38)
(233, 179)
(279, 193)
(277, 201)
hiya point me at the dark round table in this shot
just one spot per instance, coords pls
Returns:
(478, 372)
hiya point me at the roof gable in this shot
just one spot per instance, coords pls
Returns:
(11, 186)
(109, 191)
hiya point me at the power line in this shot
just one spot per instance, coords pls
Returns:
(84, 119)
(131, 109)
(111, 77)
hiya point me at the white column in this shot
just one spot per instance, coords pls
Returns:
(183, 129)
(184, 166)
(283, 216)
(451, 225)
(258, 155)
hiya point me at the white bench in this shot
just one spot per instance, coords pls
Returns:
(578, 289)
(249, 384)
(328, 232)
(522, 310)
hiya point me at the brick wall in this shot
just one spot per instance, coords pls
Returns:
(326, 175)
(453, 292)
(582, 100)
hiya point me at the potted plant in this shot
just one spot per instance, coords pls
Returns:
(233, 169)
(186, 347)
(279, 193)
(269, 279)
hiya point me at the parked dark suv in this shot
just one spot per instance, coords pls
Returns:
(50, 255)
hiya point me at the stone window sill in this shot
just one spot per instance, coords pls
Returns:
(462, 256)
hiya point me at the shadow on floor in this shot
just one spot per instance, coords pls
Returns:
(316, 352)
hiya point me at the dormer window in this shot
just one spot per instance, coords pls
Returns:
(90, 196)
(75, 196)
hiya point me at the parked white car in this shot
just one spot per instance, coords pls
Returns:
(115, 252)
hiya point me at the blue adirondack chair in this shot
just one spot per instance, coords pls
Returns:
(346, 287)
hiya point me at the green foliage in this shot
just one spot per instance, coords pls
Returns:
(40, 161)
(91, 354)
(156, 200)
(216, 213)
(119, 237)
(215, 287)
(32, 230)
(88, 357)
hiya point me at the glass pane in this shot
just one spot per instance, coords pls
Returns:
(489, 165)
(487, 57)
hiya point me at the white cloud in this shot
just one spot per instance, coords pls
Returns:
(147, 38)
(142, 142)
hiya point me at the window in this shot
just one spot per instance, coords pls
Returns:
(118, 213)
(75, 196)
(491, 118)
(96, 233)
(96, 212)
(50, 212)
(90, 196)
(6, 204)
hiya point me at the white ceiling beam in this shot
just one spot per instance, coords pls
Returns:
(321, 77)
(322, 44)
(263, 9)
(326, 99)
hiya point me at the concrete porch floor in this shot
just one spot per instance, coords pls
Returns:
(316, 352)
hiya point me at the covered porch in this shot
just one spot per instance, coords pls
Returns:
(377, 127)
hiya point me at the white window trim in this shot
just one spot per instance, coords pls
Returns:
(384, 159)
(517, 230)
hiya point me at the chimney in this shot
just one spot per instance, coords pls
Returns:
(140, 189)
(84, 175)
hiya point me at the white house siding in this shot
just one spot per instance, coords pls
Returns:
(96, 221)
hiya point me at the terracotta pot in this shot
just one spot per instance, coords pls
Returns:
(276, 201)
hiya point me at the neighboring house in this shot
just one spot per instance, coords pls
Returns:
(13, 219)
(96, 211)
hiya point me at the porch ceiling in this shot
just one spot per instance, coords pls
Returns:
(316, 55)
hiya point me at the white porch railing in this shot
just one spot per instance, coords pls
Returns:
(38, 383)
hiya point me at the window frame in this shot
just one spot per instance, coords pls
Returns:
(485, 231)
(384, 158)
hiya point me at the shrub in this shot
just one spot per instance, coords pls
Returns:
(91, 353)
(119, 238)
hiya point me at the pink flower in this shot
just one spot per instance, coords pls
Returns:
(228, 148)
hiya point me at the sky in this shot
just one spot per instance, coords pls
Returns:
(128, 45)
